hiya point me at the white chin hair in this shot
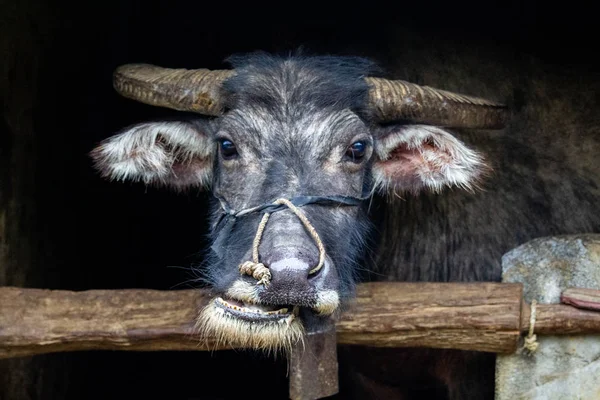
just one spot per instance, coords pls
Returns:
(271, 336)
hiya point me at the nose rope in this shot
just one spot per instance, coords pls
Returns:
(257, 269)
(225, 224)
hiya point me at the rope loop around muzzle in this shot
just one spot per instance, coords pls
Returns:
(258, 270)
(255, 268)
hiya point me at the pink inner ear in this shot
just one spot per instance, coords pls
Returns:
(409, 164)
(191, 167)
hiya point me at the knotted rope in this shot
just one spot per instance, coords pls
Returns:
(531, 344)
(257, 269)
(227, 220)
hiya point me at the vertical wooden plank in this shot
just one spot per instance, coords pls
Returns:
(314, 366)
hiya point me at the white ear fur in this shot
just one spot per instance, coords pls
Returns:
(173, 154)
(416, 157)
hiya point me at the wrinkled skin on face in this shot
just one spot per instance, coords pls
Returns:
(295, 127)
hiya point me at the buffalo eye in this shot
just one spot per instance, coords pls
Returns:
(228, 149)
(356, 151)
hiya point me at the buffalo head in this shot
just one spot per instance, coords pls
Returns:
(291, 148)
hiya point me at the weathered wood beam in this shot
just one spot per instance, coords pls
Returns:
(479, 316)
(588, 299)
(470, 316)
(35, 321)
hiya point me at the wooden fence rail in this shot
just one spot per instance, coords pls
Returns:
(470, 316)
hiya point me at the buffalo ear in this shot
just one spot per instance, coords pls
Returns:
(413, 158)
(171, 154)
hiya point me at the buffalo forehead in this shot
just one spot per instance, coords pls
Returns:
(314, 135)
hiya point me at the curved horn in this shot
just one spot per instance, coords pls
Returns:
(195, 90)
(399, 100)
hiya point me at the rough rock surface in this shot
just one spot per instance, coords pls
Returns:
(563, 367)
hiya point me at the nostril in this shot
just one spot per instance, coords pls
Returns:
(313, 273)
(316, 270)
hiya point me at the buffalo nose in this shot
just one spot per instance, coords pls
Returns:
(297, 261)
(290, 272)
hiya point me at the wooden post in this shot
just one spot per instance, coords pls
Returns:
(314, 366)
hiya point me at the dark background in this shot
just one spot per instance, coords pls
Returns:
(64, 228)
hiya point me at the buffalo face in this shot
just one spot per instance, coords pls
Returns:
(291, 128)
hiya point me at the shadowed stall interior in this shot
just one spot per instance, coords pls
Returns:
(62, 227)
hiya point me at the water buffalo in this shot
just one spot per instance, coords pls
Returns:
(312, 161)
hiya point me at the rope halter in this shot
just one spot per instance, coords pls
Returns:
(255, 268)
